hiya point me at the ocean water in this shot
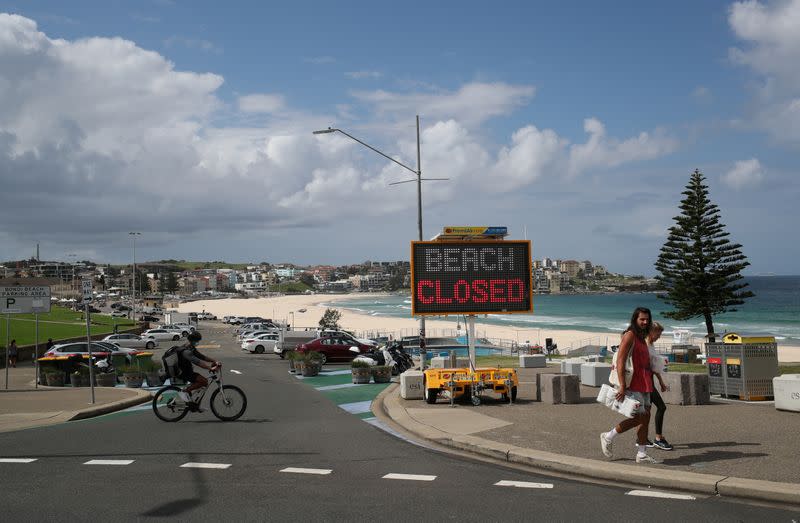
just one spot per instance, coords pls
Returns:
(775, 310)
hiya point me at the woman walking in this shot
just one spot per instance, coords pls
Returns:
(656, 329)
(634, 345)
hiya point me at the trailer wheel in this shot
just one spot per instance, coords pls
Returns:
(476, 400)
(430, 395)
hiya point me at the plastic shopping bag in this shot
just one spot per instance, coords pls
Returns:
(608, 397)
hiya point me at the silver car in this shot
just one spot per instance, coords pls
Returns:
(134, 341)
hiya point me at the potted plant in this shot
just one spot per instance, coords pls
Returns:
(294, 357)
(132, 376)
(311, 363)
(105, 379)
(151, 372)
(54, 377)
(381, 373)
(361, 371)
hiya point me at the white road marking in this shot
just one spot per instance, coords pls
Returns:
(17, 460)
(205, 465)
(298, 470)
(359, 407)
(523, 484)
(340, 386)
(336, 372)
(411, 477)
(657, 494)
(109, 462)
(235, 371)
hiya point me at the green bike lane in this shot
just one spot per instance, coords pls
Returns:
(337, 385)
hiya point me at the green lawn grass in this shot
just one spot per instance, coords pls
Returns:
(60, 323)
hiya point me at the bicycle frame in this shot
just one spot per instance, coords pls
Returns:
(213, 378)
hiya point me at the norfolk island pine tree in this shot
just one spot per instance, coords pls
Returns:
(698, 265)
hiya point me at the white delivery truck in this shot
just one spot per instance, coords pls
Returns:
(172, 317)
(288, 340)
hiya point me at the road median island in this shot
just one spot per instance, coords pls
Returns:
(129, 398)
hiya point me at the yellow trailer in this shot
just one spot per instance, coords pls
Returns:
(462, 381)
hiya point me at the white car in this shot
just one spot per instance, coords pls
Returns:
(206, 316)
(253, 333)
(182, 328)
(133, 341)
(260, 343)
(119, 314)
(162, 334)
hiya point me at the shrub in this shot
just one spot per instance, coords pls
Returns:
(360, 364)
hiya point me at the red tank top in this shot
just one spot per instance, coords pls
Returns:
(642, 380)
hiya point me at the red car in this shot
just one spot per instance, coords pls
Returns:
(334, 348)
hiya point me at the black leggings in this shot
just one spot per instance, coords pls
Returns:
(661, 408)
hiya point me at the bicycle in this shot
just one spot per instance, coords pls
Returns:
(227, 403)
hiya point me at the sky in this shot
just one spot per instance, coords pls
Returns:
(575, 124)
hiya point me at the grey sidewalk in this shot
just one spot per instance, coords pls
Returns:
(23, 406)
(742, 449)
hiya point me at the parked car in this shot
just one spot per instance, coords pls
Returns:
(133, 341)
(162, 334)
(206, 316)
(334, 348)
(252, 334)
(237, 320)
(260, 343)
(119, 314)
(183, 328)
(99, 348)
(344, 334)
(147, 317)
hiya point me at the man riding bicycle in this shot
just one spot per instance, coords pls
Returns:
(188, 357)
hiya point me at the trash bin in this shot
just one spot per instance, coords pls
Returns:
(743, 366)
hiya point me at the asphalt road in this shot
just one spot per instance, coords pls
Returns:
(289, 426)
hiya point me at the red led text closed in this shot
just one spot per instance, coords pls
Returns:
(477, 291)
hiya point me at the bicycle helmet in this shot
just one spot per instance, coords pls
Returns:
(194, 337)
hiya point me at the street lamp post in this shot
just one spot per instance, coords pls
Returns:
(133, 304)
(292, 315)
(418, 173)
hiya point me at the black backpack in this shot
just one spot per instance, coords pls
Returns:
(171, 361)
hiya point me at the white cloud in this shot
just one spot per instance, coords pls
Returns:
(701, 93)
(261, 103)
(744, 173)
(473, 103)
(603, 151)
(360, 75)
(533, 153)
(772, 36)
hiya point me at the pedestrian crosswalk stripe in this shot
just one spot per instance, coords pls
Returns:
(298, 470)
(17, 460)
(658, 494)
(411, 477)
(205, 465)
(109, 462)
(523, 484)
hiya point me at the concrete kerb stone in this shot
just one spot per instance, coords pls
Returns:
(707, 484)
(139, 397)
(760, 490)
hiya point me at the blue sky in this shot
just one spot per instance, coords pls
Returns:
(578, 122)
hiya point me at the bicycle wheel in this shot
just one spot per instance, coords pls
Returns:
(167, 406)
(228, 403)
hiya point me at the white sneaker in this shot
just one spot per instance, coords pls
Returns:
(648, 459)
(606, 446)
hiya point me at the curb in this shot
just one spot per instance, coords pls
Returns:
(706, 484)
(140, 396)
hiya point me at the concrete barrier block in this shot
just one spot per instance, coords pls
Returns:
(443, 362)
(595, 374)
(686, 388)
(411, 385)
(787, 392)
(559, 388)
(571, 367)
(532, 361)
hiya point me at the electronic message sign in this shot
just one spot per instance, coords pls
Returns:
(471, 277)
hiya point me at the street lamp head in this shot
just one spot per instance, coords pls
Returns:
(325, 131)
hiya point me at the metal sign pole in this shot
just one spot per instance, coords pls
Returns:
(8, 332)
(471, 341)
(36, 353)
(86, 287)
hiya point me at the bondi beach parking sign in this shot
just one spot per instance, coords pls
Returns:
(471, 277)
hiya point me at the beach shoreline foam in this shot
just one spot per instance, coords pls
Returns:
(286, 308)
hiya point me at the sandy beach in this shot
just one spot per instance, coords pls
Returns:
(287, 309)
